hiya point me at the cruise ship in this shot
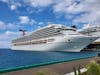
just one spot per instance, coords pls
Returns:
(92, 30)
(54, 37)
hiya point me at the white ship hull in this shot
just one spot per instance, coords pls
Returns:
(53, 38)
(91, 31)
(96, 34)
(76, 44)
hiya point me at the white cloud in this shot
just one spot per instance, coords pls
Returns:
(9, 35)
(12, 26)
(13, 4)
(38, 3)
(2, 25)
(40, 23)
(5, 44)
(91, 18)
(61, 6)
(32, 22)
(4, 0)
(13, 7)
(88, 9)
(26, 20)
(5, 38)
(6, 26)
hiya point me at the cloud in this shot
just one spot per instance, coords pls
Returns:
(26, 20)
(83, 11)
(79, 11)
(5, 44)
(13, 7)
(38, 3)
(64, 6)
(8, 35)
(40, 23)
(32, 22)
(12, 26)
(5, 38)
(13, 4)
(4, 0)
(8, 26)
(2, 25)
(91, 18)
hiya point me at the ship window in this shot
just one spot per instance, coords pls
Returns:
(73, 34)
(39, 42)
(50, 40)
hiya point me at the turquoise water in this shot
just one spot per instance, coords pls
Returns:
(12, 59)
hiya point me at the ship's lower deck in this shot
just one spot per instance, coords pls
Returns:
(57, 46)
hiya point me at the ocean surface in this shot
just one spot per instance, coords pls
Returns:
(12, 59)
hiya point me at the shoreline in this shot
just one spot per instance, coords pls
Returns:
(61, 68)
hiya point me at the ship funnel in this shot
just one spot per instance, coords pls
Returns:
(23, 32)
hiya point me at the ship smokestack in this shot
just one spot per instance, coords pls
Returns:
(23, 32)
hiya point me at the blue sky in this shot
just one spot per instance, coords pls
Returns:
(29, 14)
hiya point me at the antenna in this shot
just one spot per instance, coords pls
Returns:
(23, 32)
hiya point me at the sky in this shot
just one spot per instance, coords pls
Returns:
(30, 14)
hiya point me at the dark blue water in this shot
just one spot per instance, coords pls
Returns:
(11, 59)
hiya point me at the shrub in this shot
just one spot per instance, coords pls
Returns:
(93, 69)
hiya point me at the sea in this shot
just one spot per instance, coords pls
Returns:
(14, 58)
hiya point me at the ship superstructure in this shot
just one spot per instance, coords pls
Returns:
(54, 37)
(92, 30)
